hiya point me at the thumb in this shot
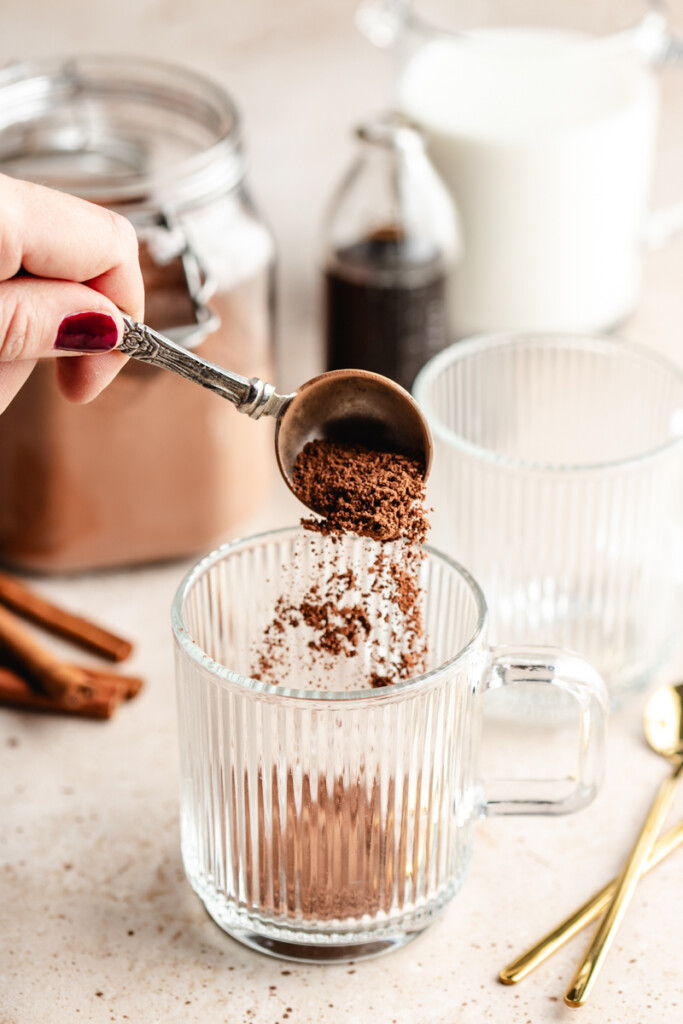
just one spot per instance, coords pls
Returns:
(41, 317)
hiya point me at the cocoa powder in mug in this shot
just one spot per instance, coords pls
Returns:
(325, 860)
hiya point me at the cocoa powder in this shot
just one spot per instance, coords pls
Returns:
(358, 490)
(375, 494)
(344, 619)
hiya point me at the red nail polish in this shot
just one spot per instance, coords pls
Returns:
(87, 332)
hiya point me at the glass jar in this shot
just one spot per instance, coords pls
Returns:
(154, 468)
(390, 245)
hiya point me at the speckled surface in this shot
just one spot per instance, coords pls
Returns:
(99, 924)
(97, 921)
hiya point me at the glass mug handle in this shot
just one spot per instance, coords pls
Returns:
(551, 666)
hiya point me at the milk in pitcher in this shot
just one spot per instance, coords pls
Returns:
(546, 139)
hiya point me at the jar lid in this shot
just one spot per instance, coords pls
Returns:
(137, 136)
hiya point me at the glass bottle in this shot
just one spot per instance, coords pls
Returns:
(391, 243)
(154, 468)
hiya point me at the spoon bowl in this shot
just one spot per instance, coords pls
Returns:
(663, 721)
(353, 406)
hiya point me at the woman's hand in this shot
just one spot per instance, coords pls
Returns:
(67, 269)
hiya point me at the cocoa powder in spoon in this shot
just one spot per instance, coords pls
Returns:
(358, 490)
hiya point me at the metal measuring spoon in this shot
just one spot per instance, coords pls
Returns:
(663, 722)
(342, 405)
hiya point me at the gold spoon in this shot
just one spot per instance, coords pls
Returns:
(342, 405)
(521, 966)
(663, 723)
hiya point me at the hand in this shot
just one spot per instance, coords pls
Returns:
(61, 256)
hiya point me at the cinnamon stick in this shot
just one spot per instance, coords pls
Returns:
(66, 684)
(15, 692)
(100, 680)
(16, 595)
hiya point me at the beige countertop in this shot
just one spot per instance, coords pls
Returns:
(98, 922)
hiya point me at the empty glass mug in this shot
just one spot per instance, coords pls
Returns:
(542, 120)
(558, 479)
(325, 826)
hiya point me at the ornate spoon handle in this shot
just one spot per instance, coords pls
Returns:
(249, 395)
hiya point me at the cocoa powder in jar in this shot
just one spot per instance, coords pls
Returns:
(155, 467)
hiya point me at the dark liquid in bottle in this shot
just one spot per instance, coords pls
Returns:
(385, 307)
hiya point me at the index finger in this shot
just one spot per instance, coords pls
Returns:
(55, 235)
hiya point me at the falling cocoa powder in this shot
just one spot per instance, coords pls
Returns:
(348, 616)
(374, 494)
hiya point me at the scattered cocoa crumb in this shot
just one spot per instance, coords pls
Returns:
(339, 628)
(376, 681)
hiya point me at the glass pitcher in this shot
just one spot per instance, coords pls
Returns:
(542, 120)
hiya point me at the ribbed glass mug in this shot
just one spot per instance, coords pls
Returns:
(558, 479)
(325, 826)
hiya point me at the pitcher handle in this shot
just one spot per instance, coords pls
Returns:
(664, 224)
(382, 21)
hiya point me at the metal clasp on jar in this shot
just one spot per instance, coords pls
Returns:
(167, 241)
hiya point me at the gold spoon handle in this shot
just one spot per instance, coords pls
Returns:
(589, 968)
(518, 969)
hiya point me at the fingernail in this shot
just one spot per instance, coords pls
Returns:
(87, 332)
